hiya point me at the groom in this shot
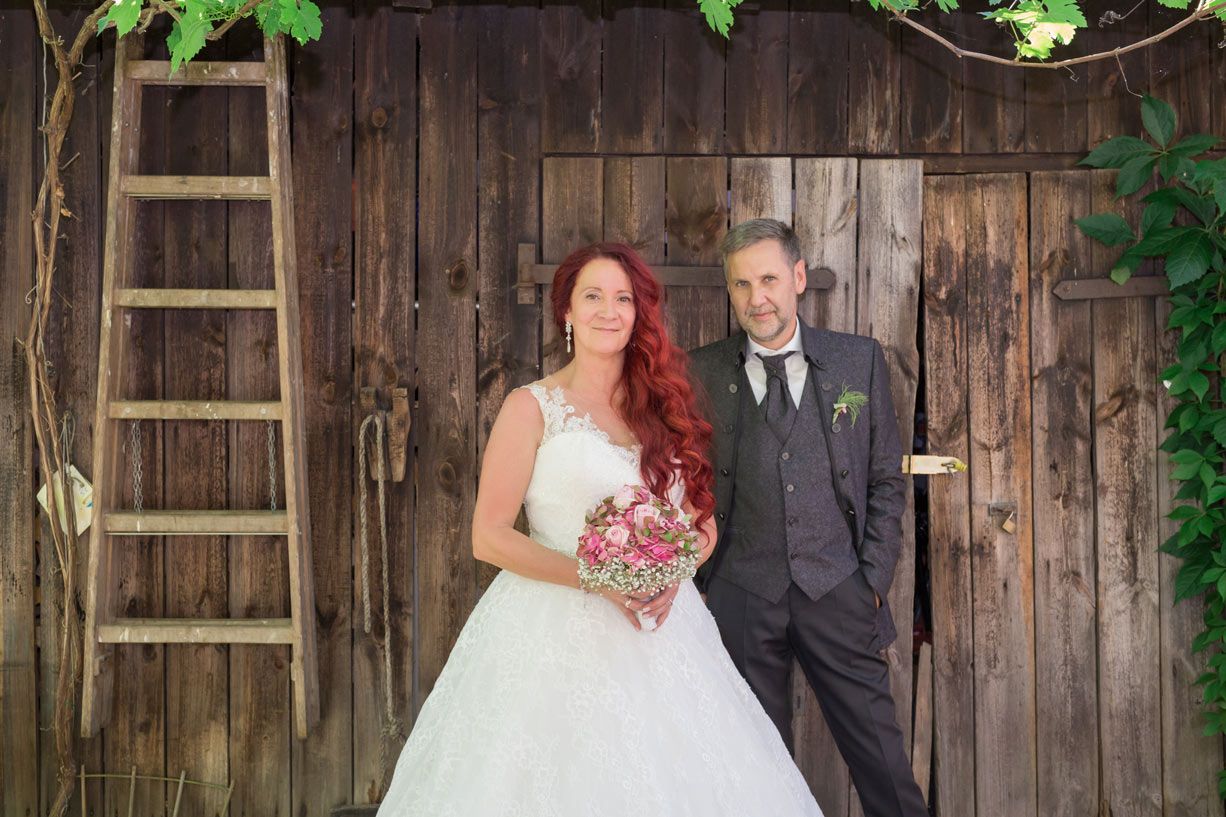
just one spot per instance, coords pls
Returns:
(809, 500)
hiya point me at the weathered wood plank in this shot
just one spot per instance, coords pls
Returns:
(19, 692)
(385, 171)
(887, 307)
(634, 204)
(195, 466)
(756, 95)
(323, 176)
(826, 223)
(693, 82)
(1181, 69)
(931, 92)
(1056, 109)
(946, 206)
(818, 76)
(921, 744)
(570, 70)
(1125, 459)
(258, 565)
(1002, 563)
(827, 196)
(447, 574)
(1110, 109)
(572, 206)
(696, 221)
(875, 62)
(632, 87)
(993, 97)
(1063, 480)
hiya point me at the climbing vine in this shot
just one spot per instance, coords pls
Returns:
(1183, 226)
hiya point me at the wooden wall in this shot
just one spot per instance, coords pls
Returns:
(420, 143)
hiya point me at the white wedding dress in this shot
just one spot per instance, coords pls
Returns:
(552, 705)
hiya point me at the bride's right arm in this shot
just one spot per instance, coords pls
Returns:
(505, 473)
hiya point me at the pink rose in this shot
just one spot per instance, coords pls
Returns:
(617, 536)
(624, 497)
(643, 514)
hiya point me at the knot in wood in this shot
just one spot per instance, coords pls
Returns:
(457, 275)
(446, 475)
(378, 117)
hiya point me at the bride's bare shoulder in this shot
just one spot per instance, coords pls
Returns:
(522, 410)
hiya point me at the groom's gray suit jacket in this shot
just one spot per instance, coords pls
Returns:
(864, 463)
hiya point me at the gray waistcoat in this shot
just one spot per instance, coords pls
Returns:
(786, 525)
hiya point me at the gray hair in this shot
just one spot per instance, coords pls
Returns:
(748, 233)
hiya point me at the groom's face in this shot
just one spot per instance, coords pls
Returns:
(764, 287)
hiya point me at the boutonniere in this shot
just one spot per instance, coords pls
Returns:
(850, 402)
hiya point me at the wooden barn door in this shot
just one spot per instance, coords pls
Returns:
(1062, 669)
(860, 219)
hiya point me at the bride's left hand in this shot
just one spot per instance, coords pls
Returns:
(658, 606)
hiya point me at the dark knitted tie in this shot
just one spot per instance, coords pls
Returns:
(780, 411)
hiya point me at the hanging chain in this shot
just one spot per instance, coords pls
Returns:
(134, 447)
(272, 466)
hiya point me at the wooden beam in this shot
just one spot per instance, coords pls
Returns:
(1138, 286)
(249, 188)
(197, 631)
(196, 298)
(195, 523)
(532, 274)
(157, 72)
(195, 410)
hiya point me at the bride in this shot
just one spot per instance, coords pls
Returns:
(556, 702)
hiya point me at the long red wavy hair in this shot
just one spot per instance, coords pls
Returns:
(659, 403)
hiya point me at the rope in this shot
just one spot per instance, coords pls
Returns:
(391, 727)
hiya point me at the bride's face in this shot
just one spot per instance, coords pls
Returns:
(602, 307)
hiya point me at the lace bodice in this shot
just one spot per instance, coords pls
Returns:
(577, 465)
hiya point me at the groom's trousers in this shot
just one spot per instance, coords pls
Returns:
(832, 638)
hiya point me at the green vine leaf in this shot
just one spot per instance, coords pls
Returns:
(1158, 119)
(1109, 228)
(1133, 175)
(1189, 259)
(718, 14)
(123, 14)
(1116, 152)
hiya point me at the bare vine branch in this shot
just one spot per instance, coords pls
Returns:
(962, 53)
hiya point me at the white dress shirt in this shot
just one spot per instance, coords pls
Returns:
(796, 366)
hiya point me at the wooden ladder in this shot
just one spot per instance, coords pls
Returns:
(103, 629)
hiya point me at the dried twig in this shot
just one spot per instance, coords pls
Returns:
(1202, 13)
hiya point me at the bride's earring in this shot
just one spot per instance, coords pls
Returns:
(568, 334)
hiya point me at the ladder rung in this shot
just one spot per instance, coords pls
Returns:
(196, 187)
(191, 523)
(195, 410)
(197, 631)
(196, 298)
(157, 72)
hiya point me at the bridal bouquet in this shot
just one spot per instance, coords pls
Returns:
(636, 543)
